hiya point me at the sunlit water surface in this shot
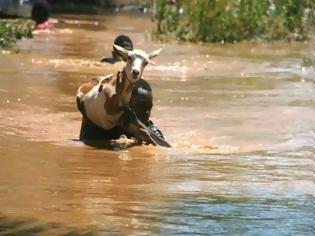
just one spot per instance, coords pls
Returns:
(240, 118)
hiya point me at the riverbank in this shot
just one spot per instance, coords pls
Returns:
(235, 20)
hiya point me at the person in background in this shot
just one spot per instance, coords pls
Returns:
(123, 41)
(141, 103)
(40, 14)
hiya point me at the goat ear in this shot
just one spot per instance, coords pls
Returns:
(155, 53)
(121, 51)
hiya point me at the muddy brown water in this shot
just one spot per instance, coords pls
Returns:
(240, 118)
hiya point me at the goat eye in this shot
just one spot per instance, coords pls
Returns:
(145, 63)
(129, 57)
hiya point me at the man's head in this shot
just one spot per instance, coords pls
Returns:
(124, 41)
(40, 11)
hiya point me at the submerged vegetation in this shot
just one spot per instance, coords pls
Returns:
(11, 31)
(234, 20)
(308, 62)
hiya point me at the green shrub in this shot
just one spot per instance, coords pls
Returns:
(235, 20)
(308, 62)
(11, 31)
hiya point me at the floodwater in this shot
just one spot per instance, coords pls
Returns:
(240, 119)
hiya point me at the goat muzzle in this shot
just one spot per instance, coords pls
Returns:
(135, 73)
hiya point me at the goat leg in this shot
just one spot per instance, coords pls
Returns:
(129, 122)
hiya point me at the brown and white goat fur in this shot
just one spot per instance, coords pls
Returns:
(102, 100)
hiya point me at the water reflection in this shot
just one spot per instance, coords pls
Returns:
(240, 118)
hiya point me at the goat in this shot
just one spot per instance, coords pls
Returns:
(106, 101)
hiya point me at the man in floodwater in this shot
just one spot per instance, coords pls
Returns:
(123, 41)
(40, 14)
(141, 103)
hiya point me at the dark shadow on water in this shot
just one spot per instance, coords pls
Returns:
(25, 227)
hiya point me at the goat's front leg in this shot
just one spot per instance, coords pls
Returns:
(129, 122)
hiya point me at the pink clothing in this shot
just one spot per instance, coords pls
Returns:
(43, 26)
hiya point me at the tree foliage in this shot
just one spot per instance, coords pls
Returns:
(235, 20)
(11, 31)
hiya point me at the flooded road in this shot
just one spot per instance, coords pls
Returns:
(240, 118)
